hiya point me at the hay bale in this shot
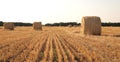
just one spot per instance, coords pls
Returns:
(91, 25)
(69, 25)
(37, 26)
(9, 26)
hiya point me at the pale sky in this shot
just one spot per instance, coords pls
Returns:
(50, 11)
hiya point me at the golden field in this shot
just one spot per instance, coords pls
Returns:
(59, 44)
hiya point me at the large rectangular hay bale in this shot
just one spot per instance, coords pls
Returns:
(91, 25)
(37, 26)
(8, 26)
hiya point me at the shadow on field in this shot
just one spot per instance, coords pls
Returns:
(112, 35)
(116, 35)
(76, 32)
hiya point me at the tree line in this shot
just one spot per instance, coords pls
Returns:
(60, 24)
(78, 24)
(63, 24)
(18, 24)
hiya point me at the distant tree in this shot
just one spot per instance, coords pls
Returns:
(110, 24)
(1, 23)
(62, 24)
(48, 24)
(78, 24)
(22, 24)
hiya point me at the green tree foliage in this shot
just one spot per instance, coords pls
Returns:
(63, 24)
(1, 23)
(22, 24)
(60, 24)
(110, 24)
(77, 24)
(18, 24)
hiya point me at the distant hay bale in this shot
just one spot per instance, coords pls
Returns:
(9, 26)
(69, 25)
(37, 26)
(91, 25)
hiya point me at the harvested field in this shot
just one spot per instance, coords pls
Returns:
(59, 44)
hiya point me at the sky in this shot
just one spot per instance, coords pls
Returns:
(52, 11)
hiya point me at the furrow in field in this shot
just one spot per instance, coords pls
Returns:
(42, 49)
(24, 54)
(13, 49)
(46, 51)
(8, 41)
(35, 55)
(50, 59)
(73, 51)
(86, 54)
(62, 57)
(71, 57)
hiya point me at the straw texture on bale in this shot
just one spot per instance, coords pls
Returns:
(91, 25)
(37, 26)
(9, 26)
